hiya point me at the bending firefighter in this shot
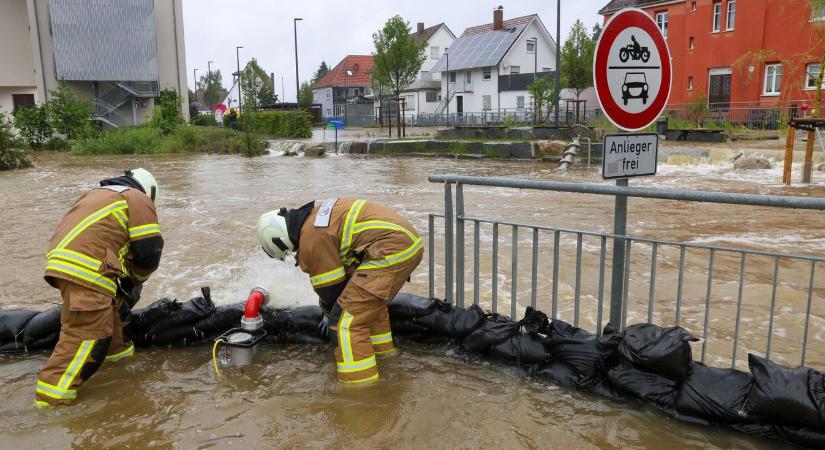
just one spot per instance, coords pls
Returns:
(104, 248)
(358, 255)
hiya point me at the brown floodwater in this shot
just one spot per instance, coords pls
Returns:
(427, 397)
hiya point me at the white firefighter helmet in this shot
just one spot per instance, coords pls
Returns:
(273, 235)
(146, 180)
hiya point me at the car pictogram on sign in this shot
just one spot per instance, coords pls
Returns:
(635, 86)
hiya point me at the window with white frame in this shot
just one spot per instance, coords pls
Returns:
(773, 79)
(691, 43)
(692, 6)
(731, 20)
(434, 54)
(515, 70)
(486, 102)
(531, 46)
(486, 73)
(426, 75)
(328, 95)
(329, 112)
(409, 102)
(432, 97)
(468, 77)
(520, 102)
(661, 22)
(690, 83)
(717, 16)
(811, 75)
(452, 77)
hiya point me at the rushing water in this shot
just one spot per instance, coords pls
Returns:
(427, 398)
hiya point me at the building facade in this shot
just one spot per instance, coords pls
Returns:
(345, 90)
(120, 54)
(489, 67)
(745, 53)
(423, 96)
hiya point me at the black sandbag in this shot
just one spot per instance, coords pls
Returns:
(43, 324)
(665, 351)
(805, 437)
(446, 320)
(305, 320)
(494, 330)
(12, 347)
(644, 384)
(786, 396)
(535, 321)
(291, 337)
(277, 321)
(405, 327)
(178, 336)
(189, 313)
(521, 349)
(557, 371)
(44, 343)
(143, 318)
(12, 323)
(590, 356)
(224, 318)
(717, 395)
(408, 306)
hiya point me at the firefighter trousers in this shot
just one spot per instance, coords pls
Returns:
(91, 332)
(363, 328)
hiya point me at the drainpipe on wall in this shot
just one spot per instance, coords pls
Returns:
(33, 10)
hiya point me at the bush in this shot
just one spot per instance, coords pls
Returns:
(251, 145)
(166, 115)
(34, 125)
(10, 158)
(69, 114)
(697, 111)
(204, 120)
(280, 124)
(125, 140)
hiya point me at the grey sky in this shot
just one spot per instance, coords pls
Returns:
(333, 29)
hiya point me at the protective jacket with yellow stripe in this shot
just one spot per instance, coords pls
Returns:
(338, 237)
(111, 232)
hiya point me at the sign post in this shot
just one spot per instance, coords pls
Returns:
(632, 76)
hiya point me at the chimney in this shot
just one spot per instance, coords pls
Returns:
(420, 27)
(498, 18)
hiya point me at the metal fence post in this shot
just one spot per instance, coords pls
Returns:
(448, 242)
(459, 245)
(617, 276)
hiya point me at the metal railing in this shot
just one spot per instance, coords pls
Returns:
(635, 270)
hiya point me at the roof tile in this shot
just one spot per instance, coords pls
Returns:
(361, 65)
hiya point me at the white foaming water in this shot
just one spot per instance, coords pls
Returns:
(286, 283)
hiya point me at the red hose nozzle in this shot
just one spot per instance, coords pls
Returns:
(258, 298)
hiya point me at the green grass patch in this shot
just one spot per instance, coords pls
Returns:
(142, 140)
(277, 124)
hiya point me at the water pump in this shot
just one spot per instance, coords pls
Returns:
(240, 343)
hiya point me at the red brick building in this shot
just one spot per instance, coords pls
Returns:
(743, 53)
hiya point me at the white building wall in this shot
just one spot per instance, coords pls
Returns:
(417, 99)
(518, 56)
(323, 97)
(441, 39)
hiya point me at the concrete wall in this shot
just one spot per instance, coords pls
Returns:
(17, 68)
(171, 51)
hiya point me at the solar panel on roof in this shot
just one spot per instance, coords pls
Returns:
(479, 50)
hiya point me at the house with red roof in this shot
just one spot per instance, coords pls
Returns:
(348, 83)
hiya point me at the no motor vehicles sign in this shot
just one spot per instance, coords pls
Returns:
(632, 70)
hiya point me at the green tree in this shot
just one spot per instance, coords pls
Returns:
(305, 98)
(34, 125)
(380, 92)
(69, 114)
(543, 91)
(212, 84)
(323, 69)
(398, 58)
(577, 60)
(597, 32)
(166, 115)
(10, 158)
(192, 97)
(257, 87)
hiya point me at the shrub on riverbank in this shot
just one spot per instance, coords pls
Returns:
(277, 124)
(149, 140)
(10, 157)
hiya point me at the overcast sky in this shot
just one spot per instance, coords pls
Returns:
(333, 29)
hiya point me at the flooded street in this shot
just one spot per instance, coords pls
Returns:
(427, 397)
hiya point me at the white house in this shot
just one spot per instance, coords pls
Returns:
(490, 66)
(423, 96)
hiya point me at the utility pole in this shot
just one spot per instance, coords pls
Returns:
(297, 85)
(240, 89)
(558, 60)
(447, 98)
(195, 74)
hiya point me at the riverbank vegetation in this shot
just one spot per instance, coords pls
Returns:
(11, 155)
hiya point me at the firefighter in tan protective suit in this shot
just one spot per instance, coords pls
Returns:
(358, 255)
(104, 248)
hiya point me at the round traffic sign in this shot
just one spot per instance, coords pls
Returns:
(632, 70)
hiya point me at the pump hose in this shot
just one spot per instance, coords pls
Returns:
(215, 356)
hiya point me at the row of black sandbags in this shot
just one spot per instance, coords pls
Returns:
(650, 363)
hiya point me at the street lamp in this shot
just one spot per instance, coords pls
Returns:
(558, 60)
(347, 74)
(238, 62)
(535, 42)
(295, 31)
(447, 56)
(195, 74)
(209, 65)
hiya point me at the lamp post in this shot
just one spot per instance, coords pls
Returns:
(347, 74)
(208, 81)
(238, 62)
(558, 60)
(195, 74)
(297, 85)
(535, 57)
(447, 99)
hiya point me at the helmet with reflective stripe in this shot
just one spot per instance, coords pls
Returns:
(146, 181)
(273, 235)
